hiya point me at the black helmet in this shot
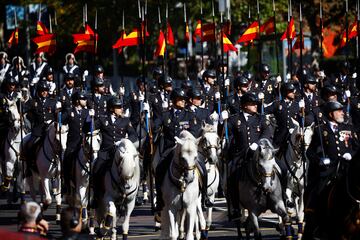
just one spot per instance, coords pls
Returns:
(11, 80)
(249, 97)
(332, 106)
(328, 90)
(195, 93)
(78, 95)
(301, 72)
(345, 65)
(240, 81)
(209, 73)
(43, 86)
(69, 76)
(310, 79)
(287, 87)
(50, 71)
(115, 103)
(157, 71)
(178, 93)
(165, 80)
(264, 68)
(248, 75)
(99, 69)
(98, 82)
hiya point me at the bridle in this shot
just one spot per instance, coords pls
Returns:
(205, 148)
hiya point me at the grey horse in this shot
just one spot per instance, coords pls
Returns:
(259, 189)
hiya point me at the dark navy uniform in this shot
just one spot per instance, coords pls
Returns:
(269, 87)
(325, 164)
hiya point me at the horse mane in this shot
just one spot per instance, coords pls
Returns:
(184, 134)
(208, 128)
(126, 146)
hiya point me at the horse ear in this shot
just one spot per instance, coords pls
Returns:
(312, 126)
(291, 130)
(178, 140)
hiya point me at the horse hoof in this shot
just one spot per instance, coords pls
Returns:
(125, 236)
(157, 228)
(204, 235)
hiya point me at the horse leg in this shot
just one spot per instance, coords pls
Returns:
(182, 225)
(125, 226)
(145, 192)
(57, 192)
(281, 211)
(254, 220)
(190, 217)
(201, 220)
(110, 220)
(45, 187)
(301, 215)
(171, 218)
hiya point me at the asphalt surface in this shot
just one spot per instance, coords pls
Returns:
(142, 224)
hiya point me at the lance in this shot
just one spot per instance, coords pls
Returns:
(259, 33)
(159, 21)
(248, 46)
(321, 32)
(276, 41)
(301, 48)
(229, 28)
(122, 64)
(185, 33)
(201, 33)
(39, 14)
(166, 35)
(358, 39)
(215, 47)
(288, 38)
(347, 29)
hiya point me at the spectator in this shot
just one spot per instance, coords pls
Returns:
(70, 223)
(31, 221)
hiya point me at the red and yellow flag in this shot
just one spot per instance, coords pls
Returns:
(297, 44)
(45, 43)
(118, 45)
(251, 33)
(228, 46)
(208, 32)
(352, 33)
(197, 32)
(290, 31)
(170, 36)
(268, 27)
(328, 39)
(161, 45)
(14, 38)
(41, 28)
(187, 33)
(85, 42)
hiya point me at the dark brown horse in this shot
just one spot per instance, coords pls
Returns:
(344, 203)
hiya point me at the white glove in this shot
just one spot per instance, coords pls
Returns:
(301, 103)
(86, 73)
(35, 80)
(254, 146)
(288, 76)
(261, 96)
(141, 97)
(224, 115)
(278, 79)
(354, 75)
(121, 91)
(227, 82)
(58, 105)
(117, 144)
(217, 95)
(146, 107)
(165, 104)
(91, 112)
(347, 93)
(347, 156)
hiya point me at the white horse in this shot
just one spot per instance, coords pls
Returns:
(49, 166)
(12, 151)
(181, 188)
(297, 166)
(121, 186)
(209, 151)
(82, 170)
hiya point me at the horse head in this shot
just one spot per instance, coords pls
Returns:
(186, 154)
(267, 164)
(59, 134)
(308, 133)
(210, 143)
(92, 141)
(125, 159)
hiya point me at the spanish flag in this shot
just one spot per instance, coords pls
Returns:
(41, 28)
(297, 44)
(352, 33)
(227, 45)
(187, 33)
(119, 43)
(251, 33)
(161, 45)
(290, 31)
(14, 38)
(208, 32)
(45, 43)
(268, 27)
(197, 32)
(170, 36)
(85, 42)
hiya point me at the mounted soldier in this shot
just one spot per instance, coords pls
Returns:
(209, 89)
(4, 66)
(72, 67)
(38, 69)
(68, 91)
(19, 72)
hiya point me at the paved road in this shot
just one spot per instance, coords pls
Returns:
(142, 223)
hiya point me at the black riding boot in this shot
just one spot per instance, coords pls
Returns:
(233, 197)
